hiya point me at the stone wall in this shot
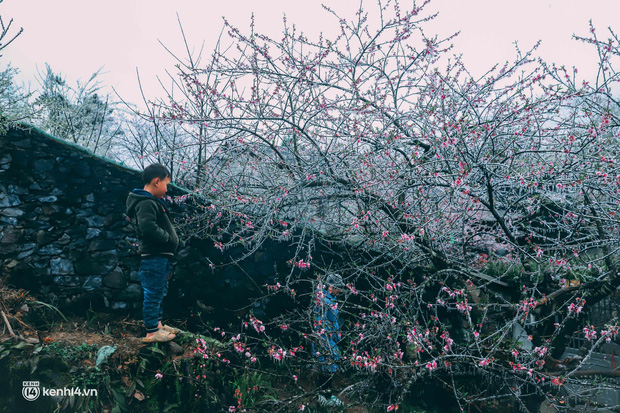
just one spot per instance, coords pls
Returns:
(64, 237)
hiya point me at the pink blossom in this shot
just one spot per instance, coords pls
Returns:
(541, 351)
(590, 333)
(431, 365)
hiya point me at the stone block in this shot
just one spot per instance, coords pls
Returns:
(43, 165)
(61, 266)
(64, 240)
(92, 283)
(9, 221)
(102, 245)
(11, 235)
(9, 200)
(95, 221)
(12, 212)
(48, 199)
(18, 190)
(92, 233)
(5, 160)
(51, 249)
(51, 209)
(66, 281)
(132, 293)
(115, 279)
(118, 305)
(134, 276)
(23, 143)
(109, 259)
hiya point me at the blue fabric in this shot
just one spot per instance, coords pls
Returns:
(154, 273)
(326, 317)
(142, 192)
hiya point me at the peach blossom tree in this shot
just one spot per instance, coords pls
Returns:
(474, 219)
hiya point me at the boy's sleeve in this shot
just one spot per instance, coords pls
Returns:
(146, 216)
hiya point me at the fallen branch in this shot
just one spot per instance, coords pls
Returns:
(24, 324)
(6, 321)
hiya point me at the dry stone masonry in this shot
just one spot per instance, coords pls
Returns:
(64, 236)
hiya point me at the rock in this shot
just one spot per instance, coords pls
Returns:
(175, 349)
(102, 245)
(57, 192)
(8, 249)
(25, 254)
(51, 249)
(134, 276)
(113, 235)
(132, 293)
(90, 197)
(11, 235)
(82, 169)
(23, 144)
(61, 266)
(66, 281)
(118, 305)
(12, 212)
(64, 240)
(92, 283)
(83, 213)
(78, 244)
(7, 201)
(14, 189)
(6, 159)
(41, 264)
(43, 237)
(50, 209)
(35, 186)
(43, 165)
(48, 199)
(10, 221)
(95, 221)
(92, 233)
(115, 279)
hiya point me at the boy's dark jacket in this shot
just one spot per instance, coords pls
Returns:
(149, 216)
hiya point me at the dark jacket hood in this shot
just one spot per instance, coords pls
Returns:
(139, 195)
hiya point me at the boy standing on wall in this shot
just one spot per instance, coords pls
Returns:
(158, 244)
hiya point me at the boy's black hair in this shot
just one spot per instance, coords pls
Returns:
(153, 171)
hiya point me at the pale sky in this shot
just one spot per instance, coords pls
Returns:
(77, 37)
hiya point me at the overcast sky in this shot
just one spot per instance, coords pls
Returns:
(77, 37)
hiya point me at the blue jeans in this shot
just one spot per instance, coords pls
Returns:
(154, 274)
